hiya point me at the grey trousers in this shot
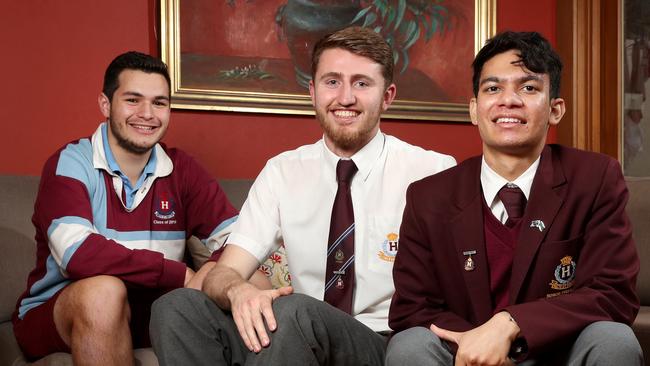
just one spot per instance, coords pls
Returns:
(600, 343)
(188, 328)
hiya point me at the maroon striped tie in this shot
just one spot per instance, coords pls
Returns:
(339, 278)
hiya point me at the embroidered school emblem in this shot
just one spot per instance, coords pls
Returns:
(564, 274)
(165, 209)
(389, 248)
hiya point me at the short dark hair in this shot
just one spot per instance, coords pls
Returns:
(535, 53)
(360, 41)
(132, 60)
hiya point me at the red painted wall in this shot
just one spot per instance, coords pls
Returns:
(55, 54)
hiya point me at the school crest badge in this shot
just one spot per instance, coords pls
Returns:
(165, 209)
(564, 274)
(389, 248)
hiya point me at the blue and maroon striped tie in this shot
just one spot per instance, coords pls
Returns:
(339, 278)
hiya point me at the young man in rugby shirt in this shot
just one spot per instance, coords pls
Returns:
(112, 216)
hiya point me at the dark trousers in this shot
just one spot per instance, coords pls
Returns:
(188, 328)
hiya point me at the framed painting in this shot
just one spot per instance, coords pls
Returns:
(254, 55)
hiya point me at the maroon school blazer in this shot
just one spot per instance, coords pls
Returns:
(575, 261)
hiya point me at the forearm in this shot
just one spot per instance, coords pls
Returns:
(196, 282)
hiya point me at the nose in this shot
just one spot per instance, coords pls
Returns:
(510, 98)
(346, 95)
(145, 111)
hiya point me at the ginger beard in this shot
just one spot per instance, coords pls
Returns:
(353, 136)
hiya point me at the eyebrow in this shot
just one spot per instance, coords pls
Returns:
(136, 94)
(523, 79)
(340, 76)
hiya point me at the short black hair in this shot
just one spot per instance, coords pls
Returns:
(132, 60)
(535, 53)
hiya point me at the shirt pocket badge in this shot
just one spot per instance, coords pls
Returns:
(389, 248)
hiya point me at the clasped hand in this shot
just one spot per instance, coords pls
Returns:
(486, 345)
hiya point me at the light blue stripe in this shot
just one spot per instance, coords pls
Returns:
(338, 241)
(224, 224)
(76, 161)
(43, 289)
(143, 235)
(68, 220)
(70, 251)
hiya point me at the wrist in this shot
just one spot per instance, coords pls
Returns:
(235, 288)
(518, 346)
(512, 326)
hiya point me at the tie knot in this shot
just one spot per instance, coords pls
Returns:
(345, 170)
(514, 200)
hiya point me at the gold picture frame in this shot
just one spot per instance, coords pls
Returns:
(203, 90)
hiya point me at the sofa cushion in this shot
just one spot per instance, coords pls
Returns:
(16, 261)
(17, 196)
(638, 209)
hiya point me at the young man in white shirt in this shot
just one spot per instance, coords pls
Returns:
(291, 203)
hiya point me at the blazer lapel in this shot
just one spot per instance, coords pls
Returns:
(467, 234)
(545, 201)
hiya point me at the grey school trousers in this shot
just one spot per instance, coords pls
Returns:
(599, 344)
(188, 328)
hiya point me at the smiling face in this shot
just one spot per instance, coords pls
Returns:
(349, 95)
(138, 114)
(513, 108)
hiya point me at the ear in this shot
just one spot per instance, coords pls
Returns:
(312, 92)
(472, 111)
(104, 105)
(389, 96)
(558, 108)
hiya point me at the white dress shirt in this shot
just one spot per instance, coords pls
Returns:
(492, 183)
(291, 203)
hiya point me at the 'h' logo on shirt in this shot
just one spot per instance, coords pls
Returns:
(165, 209)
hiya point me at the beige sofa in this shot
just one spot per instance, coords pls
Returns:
(17, 257)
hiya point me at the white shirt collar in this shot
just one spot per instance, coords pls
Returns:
(365, 159)
(492, 182)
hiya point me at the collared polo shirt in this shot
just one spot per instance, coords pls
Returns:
(291, 203)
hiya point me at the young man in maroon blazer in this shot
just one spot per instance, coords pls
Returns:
(523, 254)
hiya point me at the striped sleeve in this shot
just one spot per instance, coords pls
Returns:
(209, 213)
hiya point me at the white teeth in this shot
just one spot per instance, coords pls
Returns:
(345, 114)
(146, 128)
(508, 120)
